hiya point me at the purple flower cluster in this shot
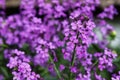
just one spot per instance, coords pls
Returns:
(98, 77)
(58, 31)
(105, 59)
(21, 67)
(83, 77)
(116, 76)
(106, 31)
(108, 12)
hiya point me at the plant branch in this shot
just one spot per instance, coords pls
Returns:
(73, 56)
(57, 71)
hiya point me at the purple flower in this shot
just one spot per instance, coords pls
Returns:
(83, 76)
(42, 56)
(1, 77)
(116, 76)
(61, 67)
(13, 62)
(108, 12)
(98, 77)
(73, 69)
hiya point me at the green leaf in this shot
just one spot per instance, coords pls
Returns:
(4, 71)
(105, 74)
(48, 77)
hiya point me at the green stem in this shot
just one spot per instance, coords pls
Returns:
(73, 61)
(97, 49)
(4, 71)
(94, 64)
(57, 71)
(73, 57)
(4, 46)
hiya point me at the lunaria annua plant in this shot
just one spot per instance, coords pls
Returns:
(57, 40)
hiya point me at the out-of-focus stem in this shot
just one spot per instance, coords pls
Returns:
(57, 71)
